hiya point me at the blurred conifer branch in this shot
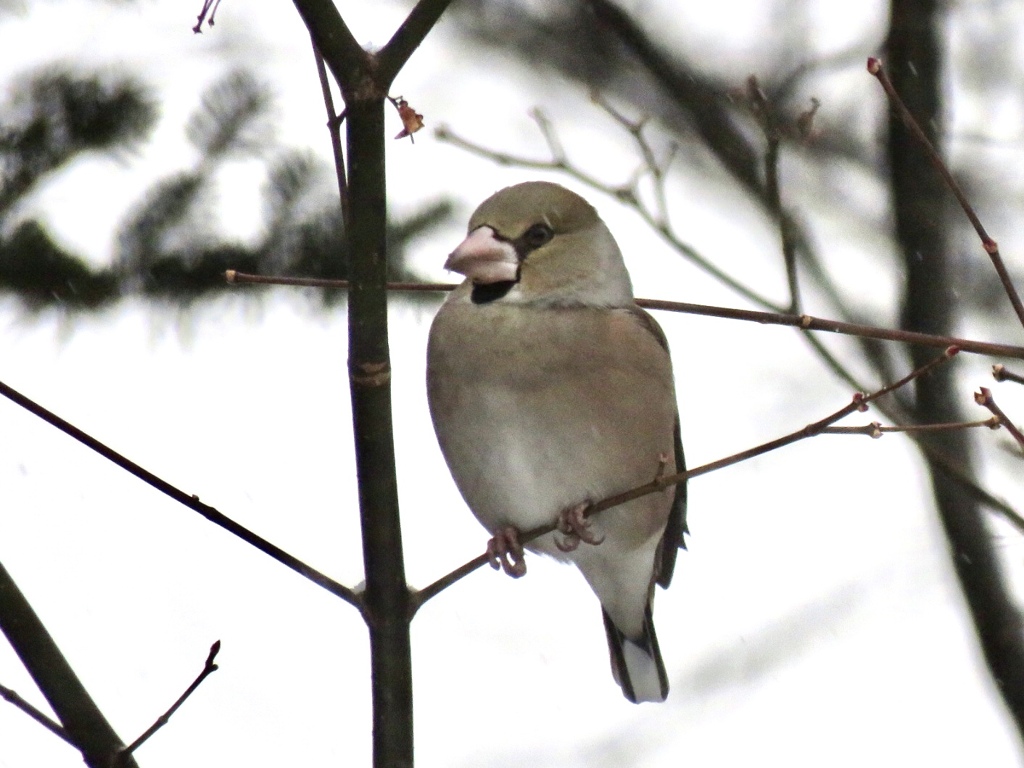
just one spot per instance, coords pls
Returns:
(167, 249)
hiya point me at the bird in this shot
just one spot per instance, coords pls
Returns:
(550, 389)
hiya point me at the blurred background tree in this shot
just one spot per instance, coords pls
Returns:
(168, 249)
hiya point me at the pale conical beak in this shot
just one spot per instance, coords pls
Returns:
(483, 258)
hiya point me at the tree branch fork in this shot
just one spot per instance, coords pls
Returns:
(124, 756)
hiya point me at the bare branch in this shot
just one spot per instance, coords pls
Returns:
(407, 38)
(209, 8)
(36, 714)
(764, 115)
(190, 501)
(1000, 373)
(948, 463)
(661, 481)
(809, 323)
(551, 138)
(803, 322)
(876, 430)
(347, 60)
(234, 277)
(624, 193)
(703, 106)
(984, 397)
(651, 166)
(334, 121)
(990, 245)
(208, 669)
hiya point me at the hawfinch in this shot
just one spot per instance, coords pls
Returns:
(550, 389)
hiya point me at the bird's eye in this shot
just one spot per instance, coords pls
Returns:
(538, 235)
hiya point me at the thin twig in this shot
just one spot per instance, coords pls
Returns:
(342, 53)
(657, 171)
(240, 278)
(733, 151)
(407, 38)
(809, 323)
(991, 247)
(334, 121)
(875, 429)
(803, 322)
(551, 138)
(209, 7)
(190, 501)
(36, 714)
(208, 669)
(859, 402)
(657, 68)
(623, 193)
(967, 345)
(771, 162)
(999, 373)
(764, 115)
(984, 397)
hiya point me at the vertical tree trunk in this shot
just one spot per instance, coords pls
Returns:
(922, 206)
(387, 595)
(365, 78)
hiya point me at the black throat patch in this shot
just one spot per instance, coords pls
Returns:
(485, 293)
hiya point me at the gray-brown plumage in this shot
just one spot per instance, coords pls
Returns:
(550, 388)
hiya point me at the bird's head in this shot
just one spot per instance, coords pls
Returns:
(538, 243)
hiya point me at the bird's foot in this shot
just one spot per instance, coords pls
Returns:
(505, 552)
(575, 526)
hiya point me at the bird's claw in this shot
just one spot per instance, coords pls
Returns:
(505, 552)
(575, 526)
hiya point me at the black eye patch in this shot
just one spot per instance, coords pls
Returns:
(485, 293)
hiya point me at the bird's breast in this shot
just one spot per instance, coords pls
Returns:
(537, 410)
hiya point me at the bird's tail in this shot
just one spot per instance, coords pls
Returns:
(636, 662)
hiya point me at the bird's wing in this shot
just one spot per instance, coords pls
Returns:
(673, 538)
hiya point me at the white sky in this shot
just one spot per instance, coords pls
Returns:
(814, 621)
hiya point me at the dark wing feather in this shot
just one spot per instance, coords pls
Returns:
(672, 540)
